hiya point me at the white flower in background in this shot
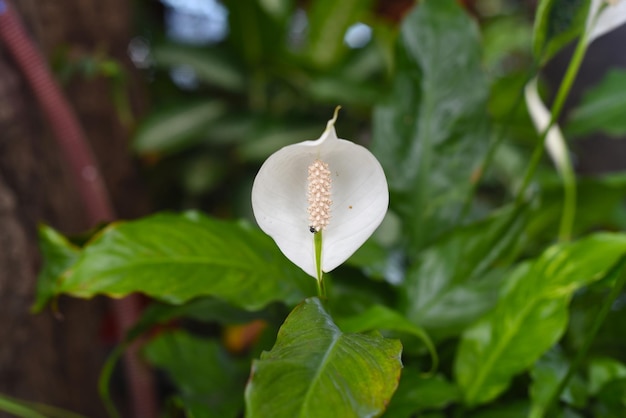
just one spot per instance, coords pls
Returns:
(603, 17)
(328, 190)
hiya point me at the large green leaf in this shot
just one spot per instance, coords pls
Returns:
(432, 132)
(177, 126)
(58, 255)
(179, 257)
(315, 370)
(417, 393)
(380, 317)
(531, 314)
(209, 381)
(452, 283)
(602, 108)
(328, 22)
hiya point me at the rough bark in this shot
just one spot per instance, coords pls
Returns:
(43, 358)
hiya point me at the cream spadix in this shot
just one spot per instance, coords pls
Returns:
(327, 186)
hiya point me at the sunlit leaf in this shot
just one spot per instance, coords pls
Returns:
(531, 314)
(179, 257)
(431, 133)
(315, 370)
(208, 380)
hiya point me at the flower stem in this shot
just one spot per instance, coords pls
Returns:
(557, 107)
(321, 290)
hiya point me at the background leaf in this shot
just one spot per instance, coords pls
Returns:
(557, 23)
(209, 381)
(452, 283)
(602, 108)
(431, 134)
(315, 370)
(175, 127)
(58, 255)
(531, 314)
(417, 393)
(179, 257)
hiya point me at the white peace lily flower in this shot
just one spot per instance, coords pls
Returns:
(604, 16)
(330, 191)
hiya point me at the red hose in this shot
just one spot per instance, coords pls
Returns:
(88, 181)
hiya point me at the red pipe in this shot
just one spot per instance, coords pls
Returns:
(88, 181)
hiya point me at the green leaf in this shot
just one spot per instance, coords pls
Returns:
(328, 22)
(602, 108)
(431, 134)
(209, 381)
(417, 393)
(379, 317)
(58, 255)
(603, 370)
(175, 127)
(547, 374)
(208, 65)
(175, 258)
(531, 314)
(452, 283)
(599, 202)
(315, 370)
(557, 23)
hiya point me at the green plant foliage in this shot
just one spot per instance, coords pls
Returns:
(329, 20)
(557, 23)
(547, 374)
(452, 283)
(417, 393)
(209, 65)
(379, 317)
(602, 108)
(315, 370)
(432, 132)
(209, 381)
(176, 127)
(531, 314)
(179, 257)
(602, 371)
(58, 255)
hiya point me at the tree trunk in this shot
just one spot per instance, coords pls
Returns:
(43, 358)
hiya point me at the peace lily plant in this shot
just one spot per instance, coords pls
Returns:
(320, 200)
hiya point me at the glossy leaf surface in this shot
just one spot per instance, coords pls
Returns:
(179, 257)
(531, 314)
(431, 134)
(448, 287)
(315, 370)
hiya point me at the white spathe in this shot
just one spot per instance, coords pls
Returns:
(359, 195)
(540, 115)
(603, 17)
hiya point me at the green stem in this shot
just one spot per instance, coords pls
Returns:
(317, 239)
(557, 107)
(599, 320)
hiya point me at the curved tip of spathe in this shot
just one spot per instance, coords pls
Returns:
(331, 123)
